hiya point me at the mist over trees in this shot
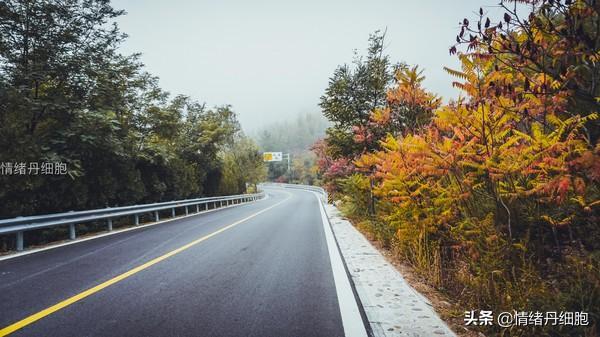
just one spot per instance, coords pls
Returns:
(68, 97)
(296, 137)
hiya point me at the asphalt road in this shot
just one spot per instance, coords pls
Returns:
(268, 275)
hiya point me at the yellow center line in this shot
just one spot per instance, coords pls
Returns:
(37, 316)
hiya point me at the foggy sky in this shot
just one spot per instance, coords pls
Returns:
(272, 59)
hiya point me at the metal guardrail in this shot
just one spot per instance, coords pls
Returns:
(317, 189)
(19, 225)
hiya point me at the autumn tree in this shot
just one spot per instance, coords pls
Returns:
(408, 108)
(493, 196)
(553, 51)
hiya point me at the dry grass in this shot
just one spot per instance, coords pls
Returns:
(448, 310)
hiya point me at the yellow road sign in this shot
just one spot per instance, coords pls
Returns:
(272, 156)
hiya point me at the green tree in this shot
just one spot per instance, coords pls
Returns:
(242, 166)
(353, 93)
(67, 95)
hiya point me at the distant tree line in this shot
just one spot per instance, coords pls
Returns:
(68, 96)
(295, 137)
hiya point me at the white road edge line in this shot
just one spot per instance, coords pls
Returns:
(118, 231)
(351, 318)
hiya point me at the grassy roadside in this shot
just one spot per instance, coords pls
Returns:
(453, 290)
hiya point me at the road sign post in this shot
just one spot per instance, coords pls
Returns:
(287, 156)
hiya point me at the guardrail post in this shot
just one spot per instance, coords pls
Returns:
(137, 211)
(72, 234)
(19, 241)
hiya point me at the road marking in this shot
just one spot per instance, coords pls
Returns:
(37, 316)
(351, 318)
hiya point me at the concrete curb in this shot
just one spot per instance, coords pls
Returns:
(392, 306)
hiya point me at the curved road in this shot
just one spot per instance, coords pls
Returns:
(259, 269)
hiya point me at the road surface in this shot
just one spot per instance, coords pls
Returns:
(259, 269)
